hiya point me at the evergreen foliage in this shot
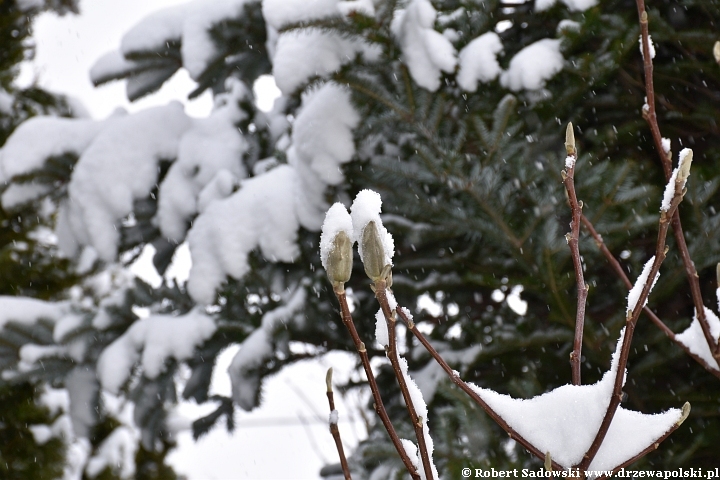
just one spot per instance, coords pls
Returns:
(473, 195)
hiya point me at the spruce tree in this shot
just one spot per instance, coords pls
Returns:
(465, 146)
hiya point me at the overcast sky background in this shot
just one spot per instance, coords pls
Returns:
(288, 436)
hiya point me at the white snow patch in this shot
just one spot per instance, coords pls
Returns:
(636, 290)
(666, 145)
(337, 220)
(669, 193)
(306, 53)
(149, 342)
(119, 166)
(152, 33)
(569, 161)
(279, 13)
(28, 311)
(573, 5)
(426, 52)
(532, 66)
(478, 61)
(694, 338)
(258, 348)
(366, 209)
(382, 335)
(268, 209)
(565, 421)
(333, 417)
(117, 451)
(211, 145)
(33, 143)
(651, 47)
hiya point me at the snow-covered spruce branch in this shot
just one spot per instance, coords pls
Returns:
(568, 176)
(333, 423)
(662, 145)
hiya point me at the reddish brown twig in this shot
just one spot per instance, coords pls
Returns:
(334, 430)
(660, 253)
(568, 176)
(453, 375)
(377, 399)
(650, 116)
(651, 315)
(392, 354)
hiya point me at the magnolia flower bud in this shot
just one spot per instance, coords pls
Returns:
(340, 259)
(373, 253)
(570, 140)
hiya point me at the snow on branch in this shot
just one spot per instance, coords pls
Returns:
(676, 184)
(258, 348)
(636, 290)
(147, 341)
(426, 52)
(268, 209)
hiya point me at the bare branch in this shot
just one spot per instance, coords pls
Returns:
(573, 237)
(334, 428)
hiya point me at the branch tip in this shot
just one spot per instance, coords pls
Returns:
(716, 52)
(548, 462)
(328, 380)
(685, 414)
(570, 140)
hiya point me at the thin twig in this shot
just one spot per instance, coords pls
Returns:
(653, 318)
(650, 116)
(660, 253)
(472, 393)
(334, 427)
(379, 406)
(573, 237)
(392, 354)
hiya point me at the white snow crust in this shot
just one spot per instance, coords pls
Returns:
(28, 311)
(337, 220)
(425, 51)
(279, 13)
(117, 451)
(666, 145)
(258, 348)
(565, 421)
(333, 417)
(303, 54)
(636, 290)
(152, 33)
(211, 145)
(268, 209)
(573, 5)
(421, 409)
(651, 47)
(118, 167)
(366, 209)
(151, 341)
(669, 192)
(478, 61)
(532, 66)
(694, 339)
(33, 142)
(382, 335)
(111, 65)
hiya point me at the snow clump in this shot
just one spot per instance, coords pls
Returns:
(426, 52)
(532, 66)
(478, 61)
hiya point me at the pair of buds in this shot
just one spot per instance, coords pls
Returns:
(372, 253)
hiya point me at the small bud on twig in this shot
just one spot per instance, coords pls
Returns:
(548, 462)
(328, 380)
(716, 52)
(570, 140)
(339, 260)
(373, 253)
(685, 414)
